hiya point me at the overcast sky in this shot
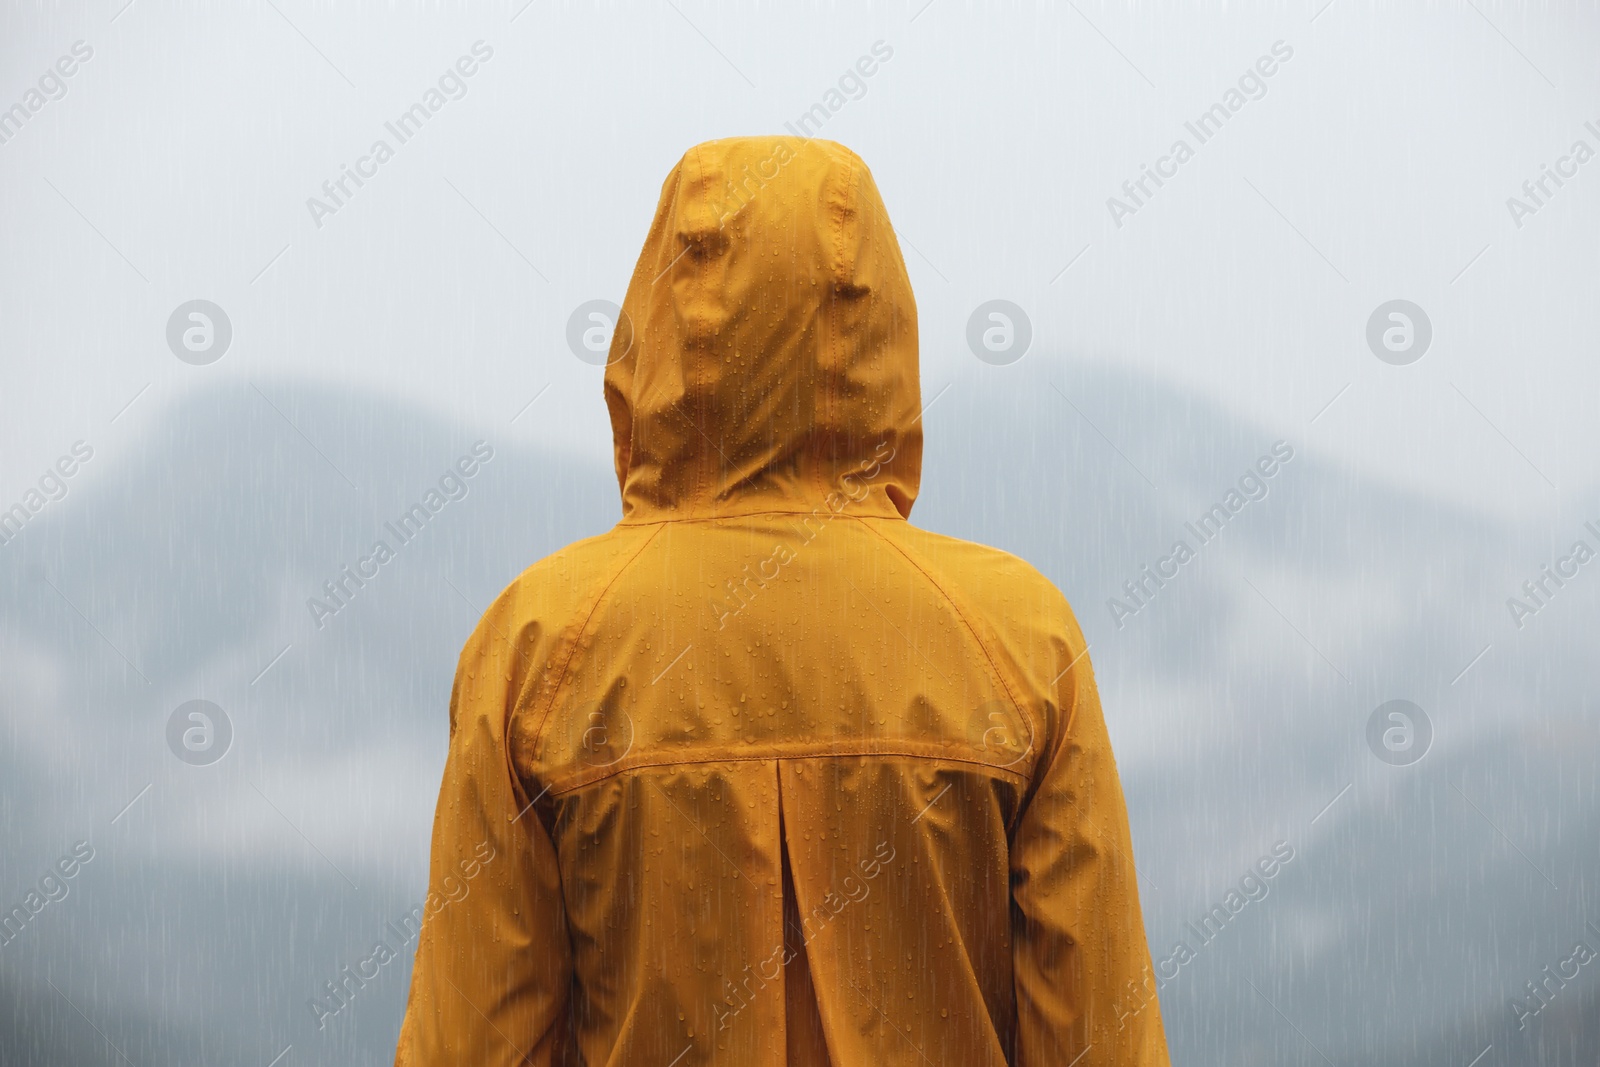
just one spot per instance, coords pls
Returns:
(1375, 166)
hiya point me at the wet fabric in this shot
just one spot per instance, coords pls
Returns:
(765, 774)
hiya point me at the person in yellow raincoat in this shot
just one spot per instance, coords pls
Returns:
(766, 774)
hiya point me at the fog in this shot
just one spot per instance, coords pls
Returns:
(1178, 334)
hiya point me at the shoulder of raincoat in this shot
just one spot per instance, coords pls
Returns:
(766, 775)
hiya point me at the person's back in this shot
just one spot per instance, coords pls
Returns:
(766, 775)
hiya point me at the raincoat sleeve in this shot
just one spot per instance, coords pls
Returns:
(1085, 993)
(493, 964)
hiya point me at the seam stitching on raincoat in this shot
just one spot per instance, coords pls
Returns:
(577, 638)
(577, 781)
(849, 215)
(891, 516)
(1064, 742)
(987, 654)
(833, 338)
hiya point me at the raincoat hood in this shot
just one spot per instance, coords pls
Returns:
(768, 343)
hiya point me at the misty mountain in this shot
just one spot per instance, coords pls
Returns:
(1420, 899)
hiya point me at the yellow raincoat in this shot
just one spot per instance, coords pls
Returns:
(765, 774)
